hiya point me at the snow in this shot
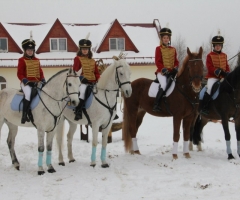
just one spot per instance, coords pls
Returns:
(152, 175)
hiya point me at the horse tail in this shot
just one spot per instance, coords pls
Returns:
(125, 128)
(197, 130)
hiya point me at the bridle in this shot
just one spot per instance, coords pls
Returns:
(118, 80)
(64, 98)
(192, 78)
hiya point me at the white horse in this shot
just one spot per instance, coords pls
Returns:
(101, 112)
(62, 86)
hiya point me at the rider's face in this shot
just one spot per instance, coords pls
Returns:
(85, 51)
(29, 52)
(218, 47)
(165, 40)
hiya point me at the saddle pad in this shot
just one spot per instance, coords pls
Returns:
(153, 89)
(18, 98)
(88, 102)
(214, 96)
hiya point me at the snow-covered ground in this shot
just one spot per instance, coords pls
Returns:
(152, 175)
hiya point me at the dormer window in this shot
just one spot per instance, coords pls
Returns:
(3, 45)
(58, 44)
(116, 44)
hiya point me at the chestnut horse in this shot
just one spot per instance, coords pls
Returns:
(182, 104)
(224, 107)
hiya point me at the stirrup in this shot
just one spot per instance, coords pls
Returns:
(77, 116)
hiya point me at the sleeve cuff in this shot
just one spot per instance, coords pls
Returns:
(25, 81)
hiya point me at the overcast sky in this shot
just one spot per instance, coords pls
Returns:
(194, 20)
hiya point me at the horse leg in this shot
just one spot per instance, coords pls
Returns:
(50, 136)
(176, 136)
(227, 138)
(95, 129)
(11, 143)
(41, 135)
(72, 129)
(104, 145)
(237, 129)
(187, 125)
(59, 137)
(141, 113)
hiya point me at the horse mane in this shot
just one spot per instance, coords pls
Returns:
(232, 80)
(104, 78)
(184, 64)
(64, 70)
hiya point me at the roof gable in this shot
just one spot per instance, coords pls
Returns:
(116, 31)
(57, 31)
(12, 45)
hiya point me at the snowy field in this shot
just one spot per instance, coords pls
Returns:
(152, 175)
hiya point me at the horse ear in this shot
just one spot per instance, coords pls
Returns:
(188, 51)
(200, 51)
(79, 72)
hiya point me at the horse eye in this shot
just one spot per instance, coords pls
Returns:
(70, 84)
(121, 74)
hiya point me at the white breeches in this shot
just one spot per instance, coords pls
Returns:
(162, 80)
(27, 90)
(82, 89)
(210, 83)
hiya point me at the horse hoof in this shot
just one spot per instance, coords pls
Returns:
(187, 155)
(61, 163)
(135, 152)
(105, 165)
(230, 156)
(93, 165)
(51, 170)
(175, 157)
(41, 172)
(73, 160)
(17, 168)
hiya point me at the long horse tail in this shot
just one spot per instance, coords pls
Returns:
(125, 128)
(197, 131)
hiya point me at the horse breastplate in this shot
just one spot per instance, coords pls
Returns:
(88, 66)
(219, 61)
(32, 69)
(168, 56)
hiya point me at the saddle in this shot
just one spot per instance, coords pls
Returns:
(153, 89)
(214, 91)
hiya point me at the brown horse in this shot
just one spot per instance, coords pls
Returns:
(182, 104)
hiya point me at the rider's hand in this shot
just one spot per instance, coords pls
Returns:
(165, 71)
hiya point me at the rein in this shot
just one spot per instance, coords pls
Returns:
(54, 116)
(105, 92)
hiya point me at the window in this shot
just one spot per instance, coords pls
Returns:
(117, 44)
(3, 45)
(58, 44)
(2, 83)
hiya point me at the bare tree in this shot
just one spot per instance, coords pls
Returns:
(180, 45)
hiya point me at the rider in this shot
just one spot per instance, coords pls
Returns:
(90, 73)
(167, 65)
(29, 73)
(218, 68)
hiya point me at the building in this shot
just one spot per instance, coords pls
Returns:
(57, 44)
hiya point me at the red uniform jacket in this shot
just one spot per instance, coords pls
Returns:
(165, 57)
(215, 61)
(29, 70)
(89, 66)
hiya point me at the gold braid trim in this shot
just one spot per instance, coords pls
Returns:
(32, 69)
(88, 66)
(168, 56)
(219, 61)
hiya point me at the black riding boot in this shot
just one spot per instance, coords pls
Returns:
(205, 103)
(26, 105)
(78, 110)
(156, 107)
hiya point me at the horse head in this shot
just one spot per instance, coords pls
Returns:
(231, 81)
(123, 74)
(194, 65)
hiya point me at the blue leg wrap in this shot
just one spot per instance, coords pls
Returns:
(93, 156)
(238, 147)
(40, 158)
(49, 158)
(229, 150)
(103, 154)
